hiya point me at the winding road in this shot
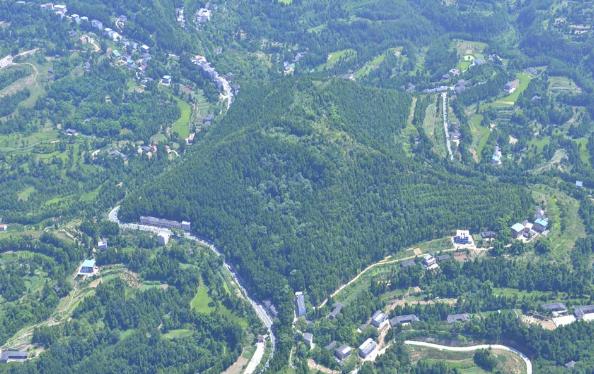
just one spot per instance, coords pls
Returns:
(474, 348)
(258, 308)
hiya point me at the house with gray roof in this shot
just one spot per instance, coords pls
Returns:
(300, 310)
(13, 356)
(556, 309)
(342, 352)
(584, 313)
(462, 317)
(404, 320)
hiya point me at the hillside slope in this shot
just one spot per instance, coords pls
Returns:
(303, 184)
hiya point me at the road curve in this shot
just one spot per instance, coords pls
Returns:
(474, 348)
(258, 308)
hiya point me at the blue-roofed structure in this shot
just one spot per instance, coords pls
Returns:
(541, 224)
(87, 267)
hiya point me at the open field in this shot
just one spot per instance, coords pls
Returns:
(560, 84)
(372, 65)
(182, 125)
(410, 130)
(480, 135)
(337, 56)
(434, 130)
(201, 302)
(566, 224)
(508, 362)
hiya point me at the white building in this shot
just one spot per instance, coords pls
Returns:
(163, 238)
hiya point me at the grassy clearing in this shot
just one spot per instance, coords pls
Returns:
(25, 193)
(463, 361)
(566, 225)
(201, 303)
(560, 84)
(511, 99)
(182, 125)
(433, 129)
(349, 293)
(370, 66)
(409, 130)
(179, 333)
(480, 134)
(337, 56)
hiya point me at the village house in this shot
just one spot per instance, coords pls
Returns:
(511, 87)
(166, 80)
(429, 262)
(517, 230)
(379, 319)
(343, 352)
(541, 225)
(163, 238)
(404, 320)
(367, 348)
(336, 308)
(462, 317)
(584, 313)
(203, 15)
(488, 235)
(87, 268)
(462, 237)
(3, 227)
(102, 244)
(13, 356)
(496, 158)
(555, 309)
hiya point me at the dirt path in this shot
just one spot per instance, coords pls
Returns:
(317, 367)
(385, 261)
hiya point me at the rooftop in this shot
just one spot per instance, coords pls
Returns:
(88, 263)
(463, 317)
(554, 307)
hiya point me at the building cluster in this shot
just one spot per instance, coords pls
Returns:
(165, 223)
(528, 230)
(135, 56)
(561, 317)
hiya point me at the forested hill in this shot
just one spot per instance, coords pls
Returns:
(302, 184)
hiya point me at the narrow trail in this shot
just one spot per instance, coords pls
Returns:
(474, 348)
(385, 261)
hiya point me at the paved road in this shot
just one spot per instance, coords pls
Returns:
(474, 348)
(258, 308)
